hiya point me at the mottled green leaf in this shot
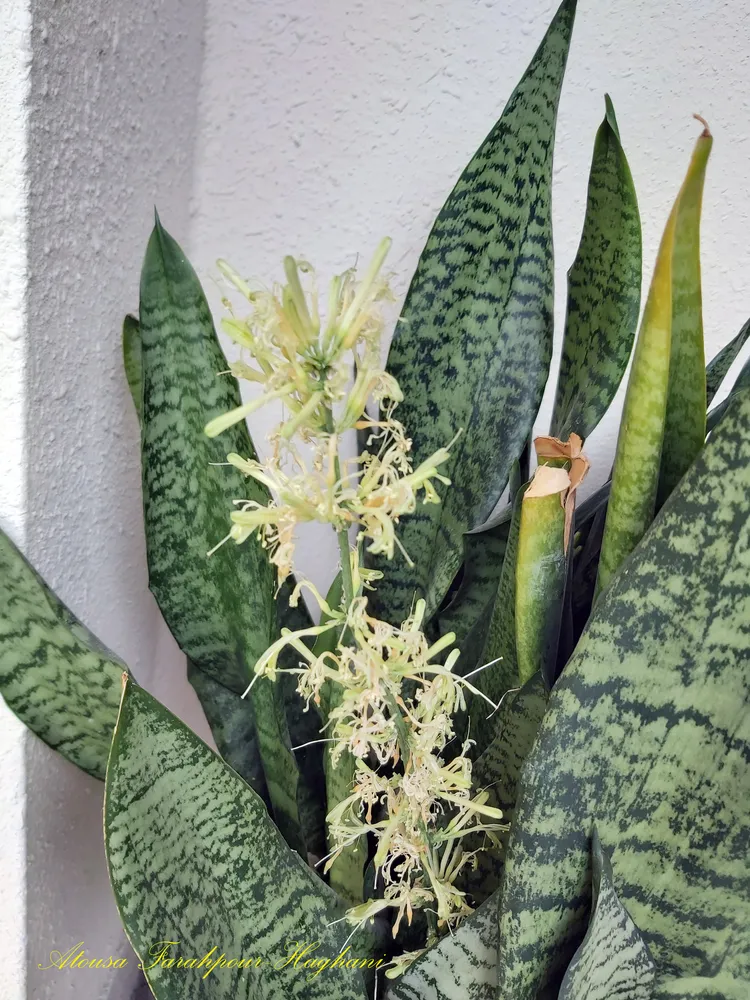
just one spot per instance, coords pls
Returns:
(220, 609)
(500, 647)
(742, 382)
(462, 966)
(541, 570)
(131, 356)
(498, 769)
(472, 350)
(304, 724)
(612, 960)
(635, 476)
(468, 613)
(232, 722)
(604, 291)
(194, 859)
(685, 421)
(648, 734)
(720, 365)
(719, 987)
(55, 675)
(587, 543)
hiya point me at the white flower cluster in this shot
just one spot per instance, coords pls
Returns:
(397, 694)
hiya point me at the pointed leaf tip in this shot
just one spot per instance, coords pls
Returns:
(609, 115)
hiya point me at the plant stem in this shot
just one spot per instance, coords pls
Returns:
(343, 534)
(346, 563)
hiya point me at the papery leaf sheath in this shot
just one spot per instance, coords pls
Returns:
(648, 734)
(473, 346)
(604, 291)
(219, 608)
(635, 475)
(194, 858)
(55, 675)
(685, 421)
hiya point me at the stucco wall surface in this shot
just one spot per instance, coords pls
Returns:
(15, 66)
(306, 127)
(106, 125)
(325, 126)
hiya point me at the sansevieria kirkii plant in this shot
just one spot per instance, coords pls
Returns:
(508, 755)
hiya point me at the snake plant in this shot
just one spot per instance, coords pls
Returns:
(509, 757)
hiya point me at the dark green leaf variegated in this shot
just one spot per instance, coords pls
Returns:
(587, 542)
(194, 859)
(500, 646)
(219, 608)
(463, 966)
(232, 723)
(648, 734)
(498, 769)
(613, 960)
(472, 350)
(304, 724)
(604, 291)
(719, 366)
(347, 872)
(742, 382)
(468, 613)
(54, 674)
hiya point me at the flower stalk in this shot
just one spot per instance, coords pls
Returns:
(396, 694)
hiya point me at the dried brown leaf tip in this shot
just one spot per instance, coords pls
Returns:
(567, 457)
(706, 134)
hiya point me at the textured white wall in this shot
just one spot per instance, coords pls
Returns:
(324, 126)
(99, 99)
(15, 37)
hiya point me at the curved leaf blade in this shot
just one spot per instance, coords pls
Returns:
(500, 647)
(57, 677)
(194, 858)
(648, 732)
(719, 366)
(604, 291)
(635, 476)
(498, 769)
(473, 347)
(612, 959)
(685, 420)
(462, 966)
(468, 613)
(232, 722)
(220, 609)
(133, 361)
